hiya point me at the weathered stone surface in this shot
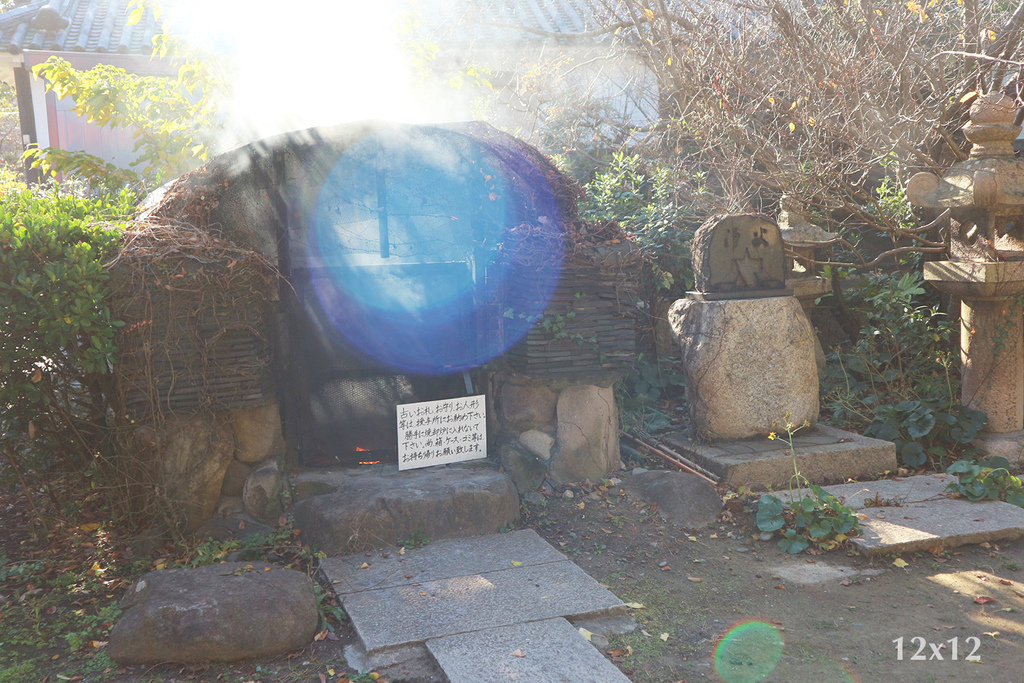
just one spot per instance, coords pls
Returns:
(943, 523)
(748, 363)
(229, 505)
(440, 560)
(683, 498)
(823, 455)
(234, 478)
(216, 613)
(739, 253)
(380, 507)
(587, 441)
(262, 493)
(195, 453)
(552, 649)
(525, 470)
(888, 492)
(527, 406)
(537, 442)
(257, 432)
(459, 605)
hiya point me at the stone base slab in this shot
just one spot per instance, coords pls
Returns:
(1009, 445)
(823, 455)
(549, 650)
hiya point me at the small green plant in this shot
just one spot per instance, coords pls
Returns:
(417, 539)
(987, 479)
(642, 391)
(899, 382)
(819, 518)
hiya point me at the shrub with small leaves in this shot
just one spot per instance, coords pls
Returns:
(58, 333)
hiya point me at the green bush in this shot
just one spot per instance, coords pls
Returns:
(58, 334)
(900, 381)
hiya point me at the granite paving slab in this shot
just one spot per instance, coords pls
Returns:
(823, 454)
(945, 522)
(890, 493)
(400, 615)
(438, 560)
(551, 651)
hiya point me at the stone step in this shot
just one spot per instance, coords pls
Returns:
(914, 514)
(347, 510)
(823, 454)
(441, 560)
(518, 578)
(550, 650)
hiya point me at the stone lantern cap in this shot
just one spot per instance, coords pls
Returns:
(796, 229)
(992, 176)
(739, 256)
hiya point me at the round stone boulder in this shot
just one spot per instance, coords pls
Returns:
(749, 364)
(217, 613)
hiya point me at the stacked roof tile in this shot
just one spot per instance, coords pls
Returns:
(97, 26)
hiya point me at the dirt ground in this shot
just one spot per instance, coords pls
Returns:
(837, 614)
(767, 615)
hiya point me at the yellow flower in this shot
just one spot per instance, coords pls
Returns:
(772, 436)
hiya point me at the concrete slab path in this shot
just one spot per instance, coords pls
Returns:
(472, 602)
(914, 513)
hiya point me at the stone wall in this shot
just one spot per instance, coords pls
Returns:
(222, 463)
(561, 431)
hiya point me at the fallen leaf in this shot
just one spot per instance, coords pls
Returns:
(983, 600)
(695, 579)
(634, 605)
(1005, 582)
(780, 587)
(364, 565)
(320, 636)
(900, 562)
(692, 538)
(713, 536)
(983, 544)
(666, 568)
(616, 653)
(664, 636)
(645, 633)
(516, 563)
(993, 634)
(97, 644)
(585, 633)
(330, 672)
(582, 504)
(401, 551)
(516, 653)
(845, 582)
(93, 526)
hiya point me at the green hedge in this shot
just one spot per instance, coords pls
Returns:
(56, 331)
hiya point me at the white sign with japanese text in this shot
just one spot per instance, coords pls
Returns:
(440, 432)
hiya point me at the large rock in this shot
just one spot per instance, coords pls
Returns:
(587, 440)
(527, 406)
(525, 470)
(234, 478)
(257, 432)
(684, 499)
(195, 454)
(262, 493)
(216, 613)
(749, 363)
(367, 509)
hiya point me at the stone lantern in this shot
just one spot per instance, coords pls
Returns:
(985, 196)
(803, 239)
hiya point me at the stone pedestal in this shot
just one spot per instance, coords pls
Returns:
(807, 290)
(749, 364)
(991, 346)
(993, 358)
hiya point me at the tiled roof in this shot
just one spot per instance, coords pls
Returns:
(481, 21)
(96, 26)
